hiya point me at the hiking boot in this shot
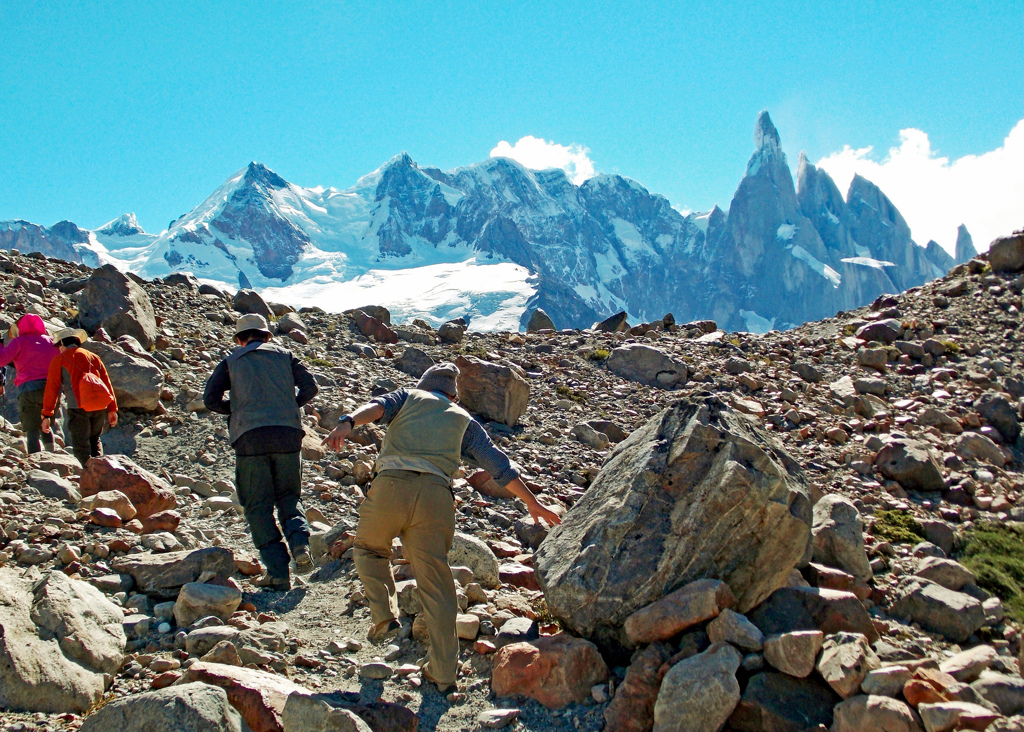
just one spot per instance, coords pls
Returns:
(383, 632)
(443, 688)
(303, 560)
(271, 583)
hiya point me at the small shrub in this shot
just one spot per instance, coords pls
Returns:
(577, 396)
(897, 527)
(995, 553)
(951, 347)
(323, 362)
(598, 354)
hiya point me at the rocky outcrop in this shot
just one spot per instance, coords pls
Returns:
(655, 519)
(60, 240)
(137, 382)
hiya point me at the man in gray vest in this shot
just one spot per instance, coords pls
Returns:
(411, 497)
(265, 429)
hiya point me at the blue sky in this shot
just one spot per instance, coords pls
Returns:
(110, 107)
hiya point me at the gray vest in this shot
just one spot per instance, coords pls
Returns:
(262, 390)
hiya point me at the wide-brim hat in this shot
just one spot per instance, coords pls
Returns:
(252, 321)
(78, 333)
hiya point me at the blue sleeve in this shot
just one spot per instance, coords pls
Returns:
(478, 446)
(219, 383)
(392, 403)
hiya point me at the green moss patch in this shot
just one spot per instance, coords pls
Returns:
(897, 527)
(995, 553)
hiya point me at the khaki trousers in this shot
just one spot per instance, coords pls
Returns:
(419, 508)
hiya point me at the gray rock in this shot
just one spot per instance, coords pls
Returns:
(289, 322)
(748, 526)
(646, 365)
(53, 486)
(539, 320)
(161, 575)
(197, 600)
(873, 358)
(886, 681)
(498, 392)
(953, 614)
(812, 608)
(414, 361)
(950, 574)
(250, 302)
(968, 665)
(731, 627)
(838, 532)
(183, 279)
(775, 702)
(304, 713)
(794, 653)
(884, 331)
(516, 630)
(60, 639)
(451, 332)
(1006, 254)
(590, 436)
(137, 382)
(807, 372)
(955, 715)
(1003, 691)
(469, 551)
(699, 692)
(846, 659)
(975, 446)
(864, 713)
(911, 464)
(195, 706)
(113, 301)
(997, 411)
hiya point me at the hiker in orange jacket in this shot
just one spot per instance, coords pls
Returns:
(80, 375)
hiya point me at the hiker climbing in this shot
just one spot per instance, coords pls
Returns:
(31, 350)
(411, 497)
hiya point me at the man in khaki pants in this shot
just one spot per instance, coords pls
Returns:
(411, 497)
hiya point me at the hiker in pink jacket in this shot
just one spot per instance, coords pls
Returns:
(30, 350)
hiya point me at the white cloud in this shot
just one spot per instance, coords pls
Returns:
(936, 195)
(539, 154)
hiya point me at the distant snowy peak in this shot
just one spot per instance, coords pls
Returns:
(123, 225)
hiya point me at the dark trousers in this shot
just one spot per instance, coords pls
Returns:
(86, 428)
(30, 411)
(266, 483)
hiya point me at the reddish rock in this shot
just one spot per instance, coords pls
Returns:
(165, 679)
(371, 327)
(555, 670)
(249, 566)
(161, 521)
(691, 604)
(518, 575)
(260, 698)
(148, 493)
(931, 686)
(632, 708)
(105, 517)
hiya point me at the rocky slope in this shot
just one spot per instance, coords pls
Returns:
(783, 254)
(877, 443)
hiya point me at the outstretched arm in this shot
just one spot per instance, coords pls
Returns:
(367, 413)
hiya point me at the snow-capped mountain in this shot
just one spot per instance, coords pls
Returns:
(493, 240)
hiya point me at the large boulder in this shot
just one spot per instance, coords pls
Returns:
(865, 713)
(192, 706)
(811, 608)
(700, 491)
(199, 599)
(469, 551)
(646, 365)
(147, 493)
(699, 692)
(671, 615)
(414, 361)
(111, 300)
(60, 640)
(555, 670)
(250, 302)
(137, 382)
(497, 392)
(838, 532)
(1006, 254)
(911, 464)
(539, 320)
(162, 575)
(372, 327)
(999, 412)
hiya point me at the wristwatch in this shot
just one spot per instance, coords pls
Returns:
(347, 418)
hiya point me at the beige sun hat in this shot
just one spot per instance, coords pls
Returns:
(78, 333)
(252, 321)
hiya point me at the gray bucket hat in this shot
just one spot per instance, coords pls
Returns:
(251, 321)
